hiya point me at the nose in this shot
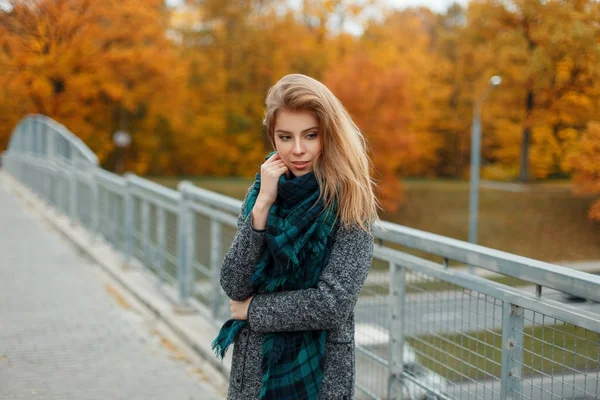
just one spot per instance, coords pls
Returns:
(298, 147)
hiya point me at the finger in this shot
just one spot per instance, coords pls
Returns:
(274, 157)
(275, 164)
(276, 171)
(274, 167)
(277, 157)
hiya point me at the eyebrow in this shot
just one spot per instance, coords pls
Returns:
(289, 133)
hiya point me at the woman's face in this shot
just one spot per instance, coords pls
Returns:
(297, 140)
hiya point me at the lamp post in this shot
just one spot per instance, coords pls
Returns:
(122, 140)
(476, 160)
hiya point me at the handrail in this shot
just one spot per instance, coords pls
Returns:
(83, 151)
(538, 272)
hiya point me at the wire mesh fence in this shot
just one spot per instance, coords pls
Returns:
(559, 360)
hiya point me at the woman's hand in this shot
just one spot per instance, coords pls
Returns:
(239, 309)
(270, 172)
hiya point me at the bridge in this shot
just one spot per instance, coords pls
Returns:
(109, 288)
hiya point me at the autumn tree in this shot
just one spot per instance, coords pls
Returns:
(547, 55)
(458, 80)
(237, 52)
(232, 62)
(376, 97)
(189, 83)
(93, 66)
(585, 161)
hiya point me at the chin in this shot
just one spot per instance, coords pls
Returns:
(301, 173)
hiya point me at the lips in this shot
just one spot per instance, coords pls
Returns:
(299, 165)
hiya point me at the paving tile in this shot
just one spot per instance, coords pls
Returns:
(63, 336)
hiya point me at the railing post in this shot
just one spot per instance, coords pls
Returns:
(145, 213)
(396, 333)
(513, 323)
(73, 193)
(50, 142)
(53, 189)
(94, 203)
(161, 235)
(216, 239)
(114, 217)
(44, 153)
(35, 137)
(24, 137)
(184, 259)
(61, 188)
(129, 221)
(34, 144)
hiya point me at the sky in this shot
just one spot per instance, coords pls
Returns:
(435, 5)
(355, 28)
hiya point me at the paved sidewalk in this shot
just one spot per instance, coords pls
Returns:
(66, 333)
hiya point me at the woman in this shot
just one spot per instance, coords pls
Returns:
(302, 252)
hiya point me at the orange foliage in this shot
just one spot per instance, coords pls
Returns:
(82, 62)
(547, 53)
(585, 161)
(376, 98)
(189, 84)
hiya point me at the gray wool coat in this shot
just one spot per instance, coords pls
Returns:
(329, 306)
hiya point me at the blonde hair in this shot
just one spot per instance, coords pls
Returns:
(343, 168)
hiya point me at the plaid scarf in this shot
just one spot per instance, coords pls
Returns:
(299, 233)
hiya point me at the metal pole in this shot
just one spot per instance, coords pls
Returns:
(476, 162)
(145, 222)
(183, 254)
(94, 203)
(73, 193)
(513, 325)
(475, 168)
(397, 299)
(161, 235)
(216, 239)
(129, 222)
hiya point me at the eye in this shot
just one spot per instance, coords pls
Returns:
(312, 135)
(284, 137)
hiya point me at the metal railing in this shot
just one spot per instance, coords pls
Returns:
(423, 329)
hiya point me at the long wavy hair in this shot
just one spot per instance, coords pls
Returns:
(343, 167)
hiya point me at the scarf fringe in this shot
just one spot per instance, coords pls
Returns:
(226, 337)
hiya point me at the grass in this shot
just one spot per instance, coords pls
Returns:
(478, 355)
(547, 222)
(437, 286)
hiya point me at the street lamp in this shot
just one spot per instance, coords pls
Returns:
(476, 160)
(122, 140)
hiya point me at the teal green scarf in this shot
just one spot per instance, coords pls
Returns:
(299, 235)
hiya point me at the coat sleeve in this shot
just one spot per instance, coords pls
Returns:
(240, 260)
(327, 305)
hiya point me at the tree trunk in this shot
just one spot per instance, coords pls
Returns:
(526, 141)
(524, 175)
